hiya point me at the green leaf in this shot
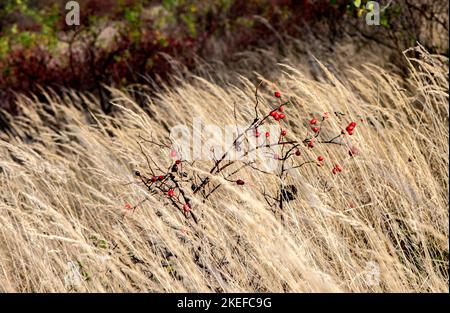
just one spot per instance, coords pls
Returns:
(25, 39)
(14, 30)
(384, 21)
(357, 3)
(131, 16)
(103, 244)
(4, 46)
(163, 42)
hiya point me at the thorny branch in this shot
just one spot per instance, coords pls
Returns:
(179, 183)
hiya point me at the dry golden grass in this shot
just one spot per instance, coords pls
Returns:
(66, 177)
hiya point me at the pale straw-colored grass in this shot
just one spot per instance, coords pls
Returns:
(66, 177)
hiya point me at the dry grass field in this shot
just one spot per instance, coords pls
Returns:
(380, 225)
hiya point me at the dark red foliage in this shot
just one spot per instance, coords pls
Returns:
(130, 59)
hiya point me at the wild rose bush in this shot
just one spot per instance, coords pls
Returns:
(180, 183)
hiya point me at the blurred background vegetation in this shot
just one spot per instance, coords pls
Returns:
(122, 42)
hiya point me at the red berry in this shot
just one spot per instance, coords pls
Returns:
(186, 208)
(273, 113)
(350, 132)
(283, 133)
(173, 153)
(334, 170)
(128, 206)
(320, 158)
(161, 177)
(177, 162)
(277, 94)
(311, 144)
(297, 153)
(282, 115)
(338, 168)
(278, 117)
(350, 127)
(316, 129)
(281, 109)
(257, 134)
(267, 134)
(240, 182)
(313, 121)
(171, 193)
(154, 178)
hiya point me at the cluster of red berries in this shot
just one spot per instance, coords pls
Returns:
(153, 179)
(337, 168)
(156, 178)
(186, 207)
(314, 127)
(278, 115)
